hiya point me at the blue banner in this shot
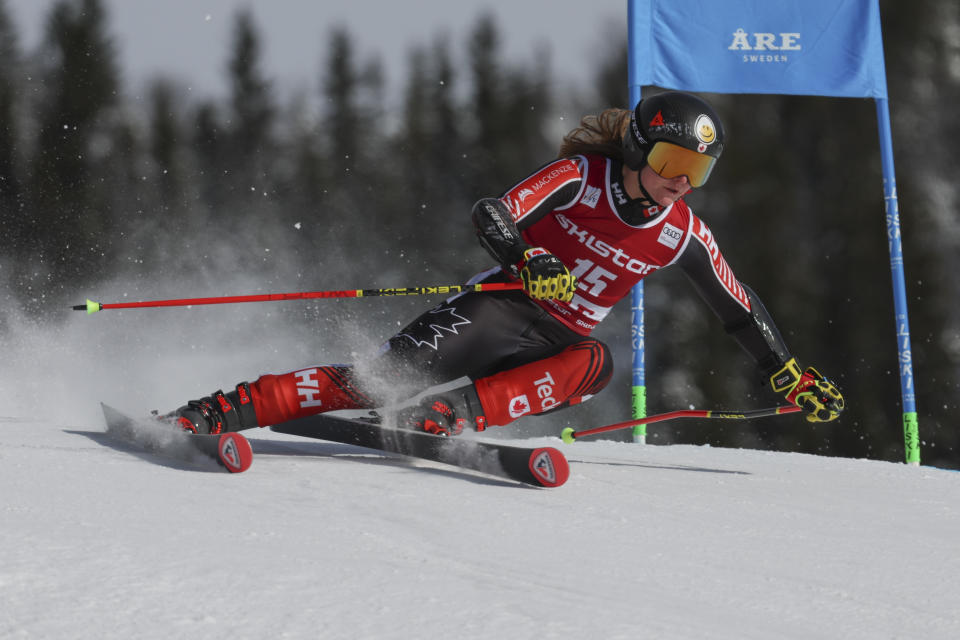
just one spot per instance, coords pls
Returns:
(801, 47)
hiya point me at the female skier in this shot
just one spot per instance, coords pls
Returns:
(578, 233)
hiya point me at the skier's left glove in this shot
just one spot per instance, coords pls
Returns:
(545, 277)
(810, 391)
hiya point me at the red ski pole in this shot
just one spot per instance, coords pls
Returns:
(568, 435)
(93, 307)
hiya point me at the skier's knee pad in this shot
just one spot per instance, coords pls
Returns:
(569, 377)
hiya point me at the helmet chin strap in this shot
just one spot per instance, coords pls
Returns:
(647, 200)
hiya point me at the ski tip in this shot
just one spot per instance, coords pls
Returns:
(234, 452)
(567, 435)
(549, 467)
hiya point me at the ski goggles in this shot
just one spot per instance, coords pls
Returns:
(670, 161)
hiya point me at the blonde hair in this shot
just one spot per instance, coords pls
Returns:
(598, 134)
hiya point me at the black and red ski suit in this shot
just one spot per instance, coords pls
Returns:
(528, 356)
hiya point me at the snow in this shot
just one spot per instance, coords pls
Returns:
(322, 540)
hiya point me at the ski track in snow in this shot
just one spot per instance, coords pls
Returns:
(321, 540)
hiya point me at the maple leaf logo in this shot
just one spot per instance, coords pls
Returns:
(445, 321)
(519, 406)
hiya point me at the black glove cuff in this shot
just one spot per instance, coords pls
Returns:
(498, 233)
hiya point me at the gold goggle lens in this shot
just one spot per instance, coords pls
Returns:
(670, 161)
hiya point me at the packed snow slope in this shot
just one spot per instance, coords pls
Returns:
(322, 540)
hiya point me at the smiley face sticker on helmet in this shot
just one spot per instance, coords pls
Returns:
(705, 131)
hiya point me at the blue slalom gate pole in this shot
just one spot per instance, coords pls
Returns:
(911, 429)
(639, 384)
(636, 24)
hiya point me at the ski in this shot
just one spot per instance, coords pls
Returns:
(229, 450)
(537, 466)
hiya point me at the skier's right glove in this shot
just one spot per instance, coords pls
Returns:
(810, 391)
(545, 277)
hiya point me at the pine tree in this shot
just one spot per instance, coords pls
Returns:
(509, 107)
(359, 203)
(431, 160)
(341, 102)
(70, 235)
(487, 111)
(208, 142)
(251, 112)
(166, 150)
(10, 168)
(415, 140)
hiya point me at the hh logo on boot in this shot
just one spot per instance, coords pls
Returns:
(308, 388)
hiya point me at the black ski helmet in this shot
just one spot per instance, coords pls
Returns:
(680, 119)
